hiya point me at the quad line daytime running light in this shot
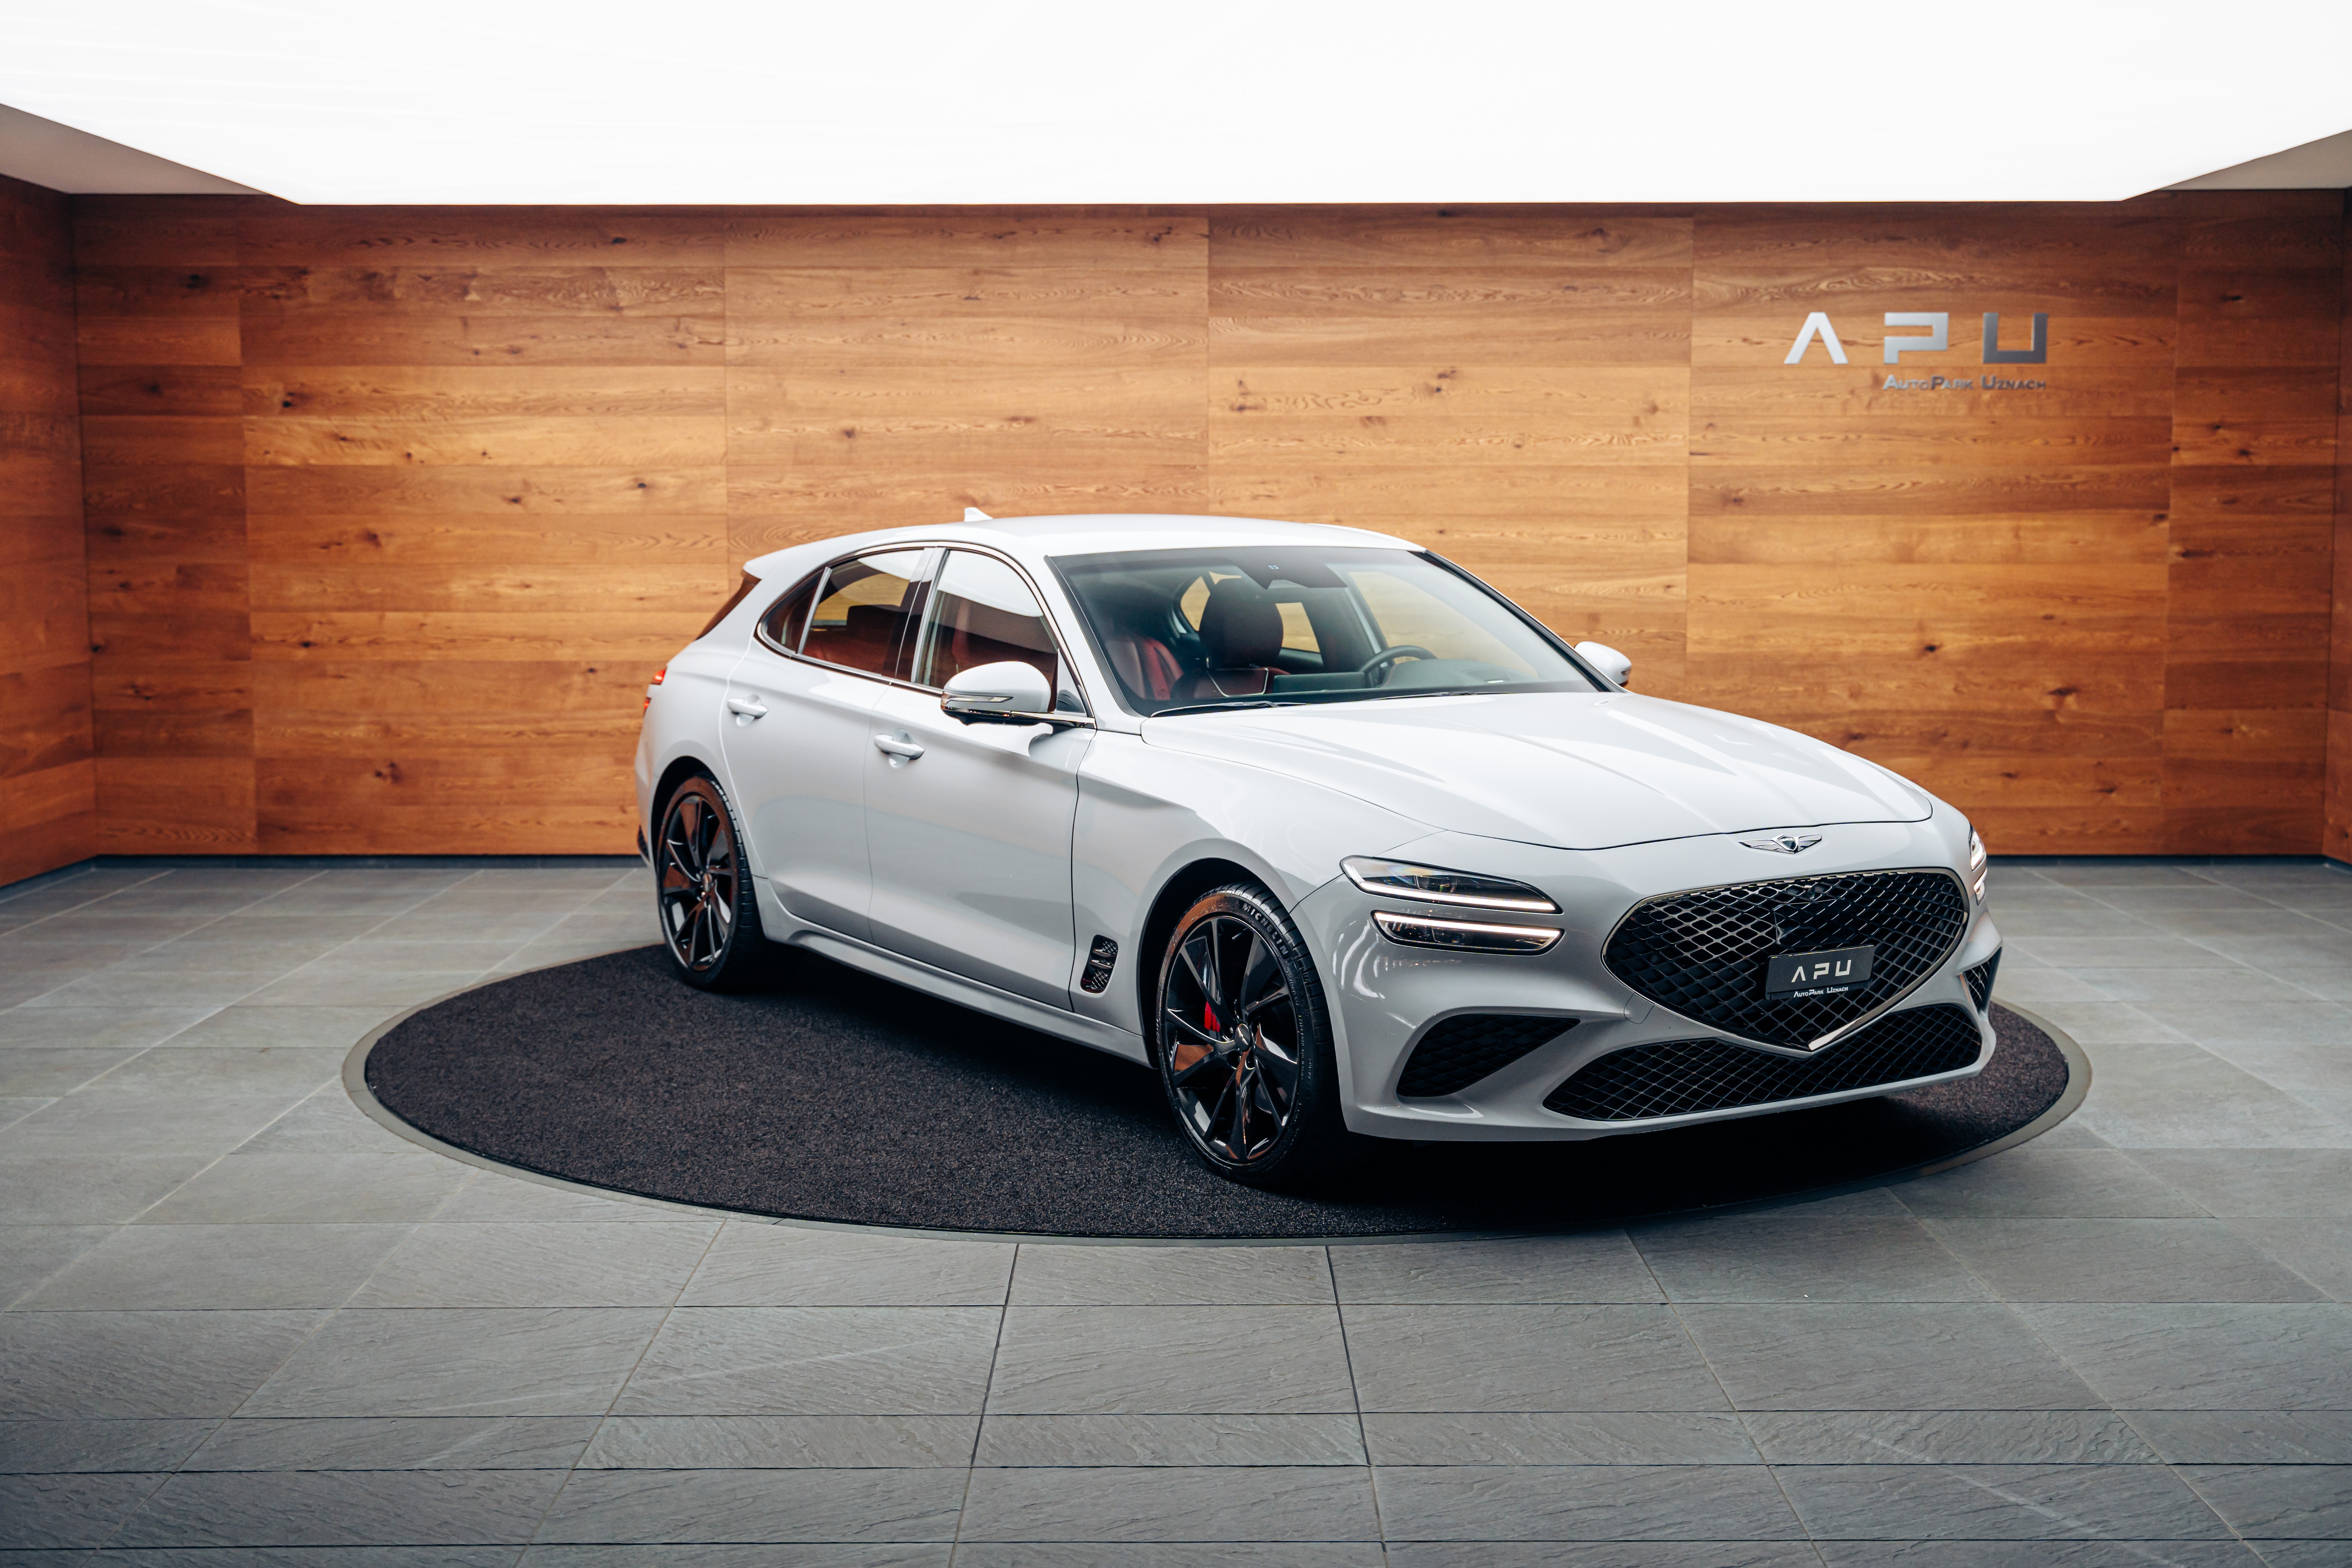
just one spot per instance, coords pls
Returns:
(1465, 936)
(1433, 885)
(1975, 864)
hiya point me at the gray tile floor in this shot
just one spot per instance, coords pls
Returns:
(246, 1324)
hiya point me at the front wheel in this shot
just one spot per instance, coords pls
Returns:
(1243, 1043)
(709, 916)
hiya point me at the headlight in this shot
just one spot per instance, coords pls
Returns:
(1975, 864)
(1463, 936)
(1431, 884)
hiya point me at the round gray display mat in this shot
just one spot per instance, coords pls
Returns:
(837, 1098)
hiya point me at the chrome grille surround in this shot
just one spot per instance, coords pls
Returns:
(1699, 952)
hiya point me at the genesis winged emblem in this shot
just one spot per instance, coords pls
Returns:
(1783, 843)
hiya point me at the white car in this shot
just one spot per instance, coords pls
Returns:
(1335, 838)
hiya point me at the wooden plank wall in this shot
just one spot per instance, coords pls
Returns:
(47, 799)
(397, 509)
(2337, 839)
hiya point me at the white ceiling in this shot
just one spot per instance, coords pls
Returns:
(1220, 101)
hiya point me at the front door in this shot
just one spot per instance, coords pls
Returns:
(968, 826)
(798, 731)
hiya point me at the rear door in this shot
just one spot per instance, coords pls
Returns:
(799, 728)
(968, 826)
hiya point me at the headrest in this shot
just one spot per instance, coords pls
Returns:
(1238, 628)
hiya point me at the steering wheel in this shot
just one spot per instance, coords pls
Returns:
(1385, 661)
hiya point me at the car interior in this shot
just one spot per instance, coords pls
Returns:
(1187, 626)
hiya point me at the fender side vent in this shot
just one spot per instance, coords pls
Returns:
(1980, 980)
(1101, 958)
(1460, 1051)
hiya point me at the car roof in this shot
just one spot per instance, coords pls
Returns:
(1035, 538)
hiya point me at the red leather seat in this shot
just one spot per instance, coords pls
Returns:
(1146, 664)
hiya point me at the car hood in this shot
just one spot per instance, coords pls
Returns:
(1576, 770)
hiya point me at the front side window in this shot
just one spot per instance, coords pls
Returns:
(863, 611)
(1181, 629)
(982, 612)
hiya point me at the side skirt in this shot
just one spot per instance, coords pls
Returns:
(793, 931)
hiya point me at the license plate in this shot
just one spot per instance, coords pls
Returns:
(1824, 973)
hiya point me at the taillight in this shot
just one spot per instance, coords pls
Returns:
(659, 676)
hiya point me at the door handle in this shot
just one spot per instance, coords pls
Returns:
(898, 751)
(746, 707)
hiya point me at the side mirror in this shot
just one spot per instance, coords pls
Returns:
(1607, 661)
(1007, 693)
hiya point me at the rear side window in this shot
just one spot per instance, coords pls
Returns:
(788, 616)
(862, 612)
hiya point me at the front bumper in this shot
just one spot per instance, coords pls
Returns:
(1385, 998)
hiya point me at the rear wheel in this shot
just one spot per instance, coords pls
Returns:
(710, 918)
(1243, 1043)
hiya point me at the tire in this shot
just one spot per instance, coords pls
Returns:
(1242, 1040)
(702, 891)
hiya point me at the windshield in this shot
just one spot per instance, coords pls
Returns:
(1190, 629)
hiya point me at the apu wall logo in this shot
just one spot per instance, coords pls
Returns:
(1936, 339)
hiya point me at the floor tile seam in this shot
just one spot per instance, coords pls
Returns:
(987, 1389)
(619, 1389)
(2199, 1493)
(136, 952)
(379, 925)
(1356, 1403)
(333, 1083)
(41, 881)
(86, 903)
(207, 925)
(2233, 961)
(2083, 1378)
(201, 1171)
(325, 1317)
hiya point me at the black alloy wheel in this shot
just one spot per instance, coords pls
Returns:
(709, 919)
(1243, 1049)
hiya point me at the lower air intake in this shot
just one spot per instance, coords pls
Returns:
(1979, 981)
(1460, 1051)
(1679, 1078)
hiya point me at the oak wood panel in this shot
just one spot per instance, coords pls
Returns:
(462, 394)
(1481, 239)
(486, 459)
(421, 496)
(201, 390)
(1122, 237)
(2336, 834)
(47, 778)
(158, 295)
(279, 234)
(1969, 586)
(2253, 533)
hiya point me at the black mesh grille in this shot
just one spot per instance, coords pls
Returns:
(1675, 1077)
(1460, 1051)
(1703, 954)
(1980, 980)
